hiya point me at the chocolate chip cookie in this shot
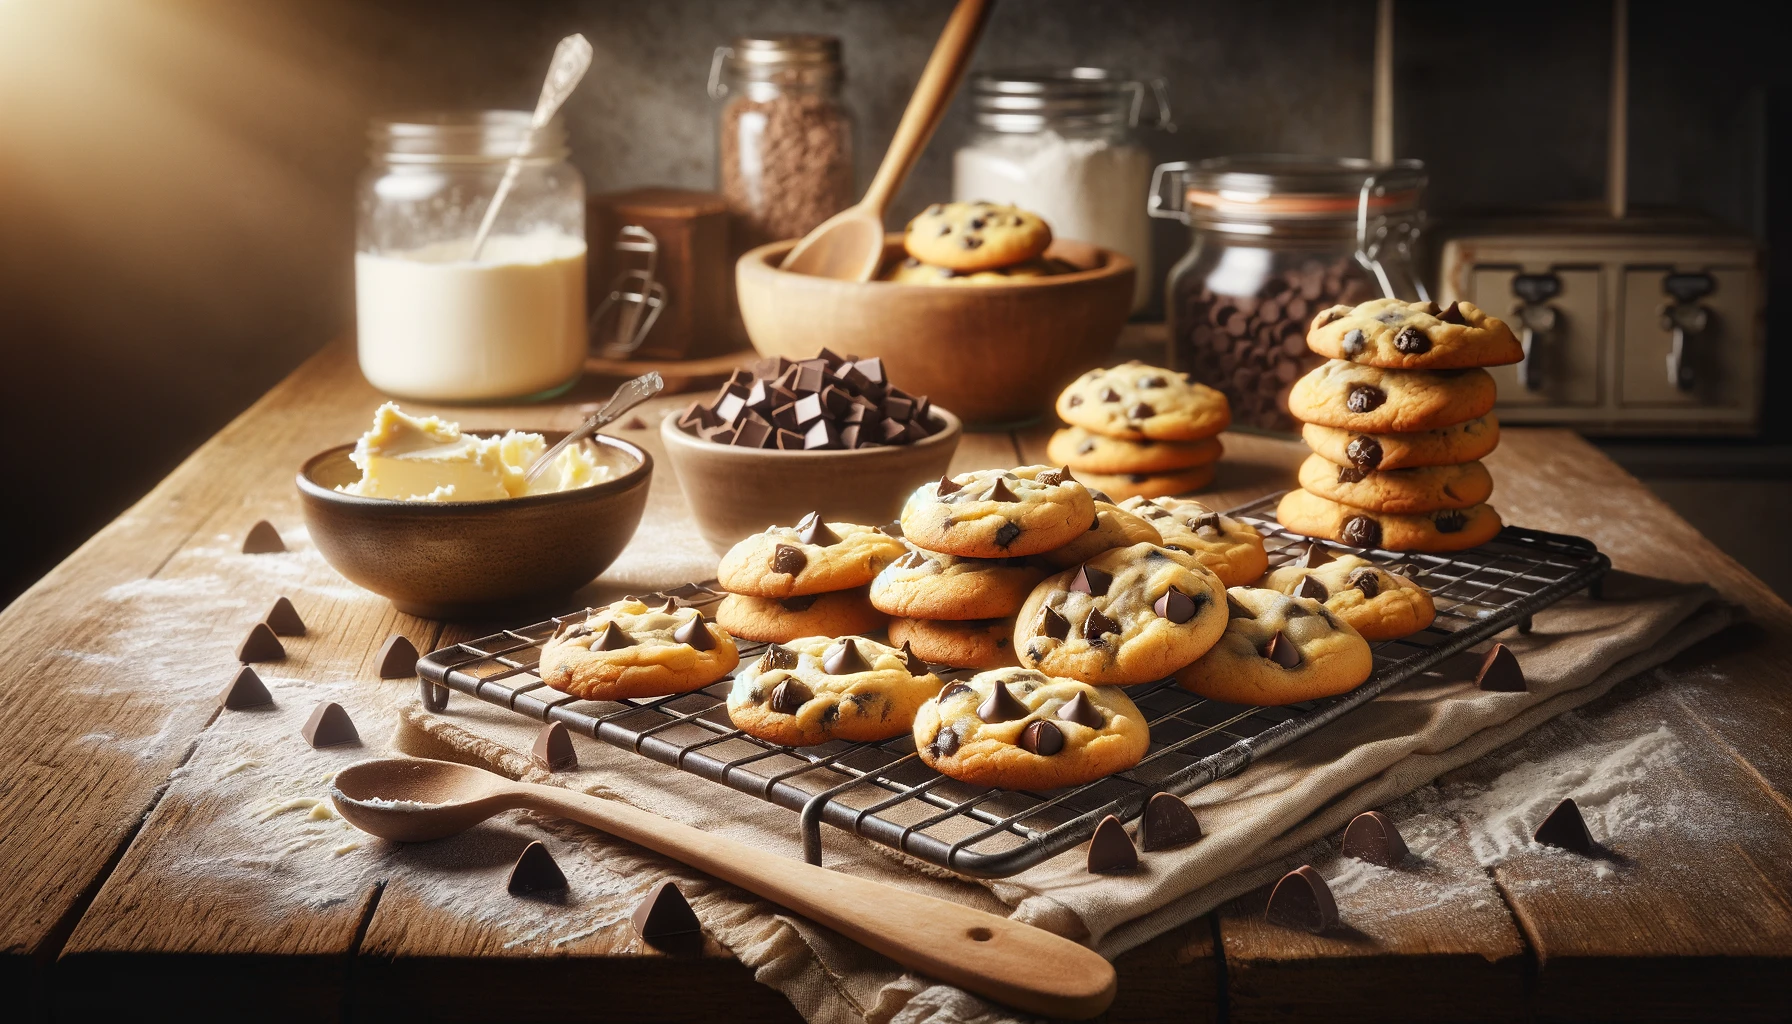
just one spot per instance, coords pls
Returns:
(1083, 450)
(1231, 548)
(1368, 399)
(1279, 650)
(778, 620)
(628, 649)
(1136, 402)
(1113, 528)
(1421, 489)
(1129, 615)
(1152, 485)
(818, 688)
(978, 643)
(1463, 442)
(811, 557)
(1020, 729)
(1403, 335)
(1379, 604)
(931, 585)
(1448, 530)
(998, 513)
(969, 237)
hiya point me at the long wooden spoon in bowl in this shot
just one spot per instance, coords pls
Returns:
(414, 800)
(849, 245)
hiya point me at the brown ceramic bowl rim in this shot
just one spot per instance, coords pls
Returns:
(643, 467)
(951, 427)
(1114, 263)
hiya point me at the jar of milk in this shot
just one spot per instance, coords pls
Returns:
(1061, 143)
(436, 323)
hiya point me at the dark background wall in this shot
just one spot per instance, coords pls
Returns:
(176, 223)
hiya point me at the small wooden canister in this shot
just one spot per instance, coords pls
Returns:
(692, 230)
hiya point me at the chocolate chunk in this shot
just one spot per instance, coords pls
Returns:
(1081, 710)
(1101, 496)
(916, 667)
(788, 440)
(837, 401)
(1110, 850)
(821, 434)
(1449, 520)
(666, 921)
(329, 726)
(788, 560)
(263, 539)
(535, 872)
(1054, 477)
(1206, 521)
(260, 645)
(945, 742)
(948, 485)
(697, 416)
(1373, 837)
(1175, 606)
(1282, 651)
(1364, 452)
(1141, 411)
(1452, 314)
(720, 435)
(1042, 738)
(893, 528)
(1001, 706)
(809, 378)
(1000, 491)
(1311, 587)
(953, 689)
(1167, 824)
(284, 619)
(1098, 624)
(731, 408)
(799, 603)
(1354, 342)
(1364, 398)
(1500, 672)
(1313, 555)
(1092, 581)
(776, 657)
(912, 560)
(1054, 625)
(1412, 341)
(612, 638)
(1006, 534)
(695, 634)
(789, 696)
(1362, 532)
(246, 690)
(811, 530)
(1234, 610)
(1109, 395)
(1351, 474)
(971, 242)
(1302, 901)
(753, 432)
(1152, 380)
(1074, 401)
(669, 606)
(845, 659)
(1366, 581)
(898, 408)
(1565, 828)
(553, 748)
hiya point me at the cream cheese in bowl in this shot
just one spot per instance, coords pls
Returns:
(412, 458)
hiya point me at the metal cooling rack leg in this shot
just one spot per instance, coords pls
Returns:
(1524, 624)
(811, 824)
(435, 695)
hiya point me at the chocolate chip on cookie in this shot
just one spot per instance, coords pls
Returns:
(1022, 729)
(1279, 650)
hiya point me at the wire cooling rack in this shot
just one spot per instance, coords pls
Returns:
(885, 793)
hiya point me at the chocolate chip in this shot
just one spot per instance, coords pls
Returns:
(1364, 452)
(912, 560)
(329, 726)
(776, 657)
(1054, 625)
(1281, 650)
(1153, 380)
(1081, 710)
(1302, 901)
(1175, 606)
(535, 871)
(1006, 533)
(1142, 411)
(1086, 447)
(811, 530)
(665, 920)
(284, 619)
(1330, 316)
(1167, 824)
(1206, 521)
(670, 605)
(1351, 474)
(1092, 581)
(1412, 341)
(1452, 314)
(845, 659)
(954, 689)
(1365, 581)
(945, 229)
(262, 645)
(1000, 492)
(1373, 837)
(971, 242)
(789, 696)
(1500, 672)
(1074, 401)
(1100, 496)
(1234, 610)
(245, 691)
(948, 485)
(1042, 738)
(1001, 706)
(945, 742)
(612, 638)
(916, 667)
(263, 539)
(1354, 342)
(1110, 850)
(893, 528)
(1311, 587)
(1054, 477)
(1364, 398)
(788, 560)
(1110, 395)
(800, 603)
(553, 748)
(1098, 624)
(1450, 520)
(1566, 829)
(1362, 532)
(696, 634)
(977, 223)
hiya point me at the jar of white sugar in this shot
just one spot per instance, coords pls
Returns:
(1062, 143)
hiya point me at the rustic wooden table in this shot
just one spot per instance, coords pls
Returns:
(101, 912)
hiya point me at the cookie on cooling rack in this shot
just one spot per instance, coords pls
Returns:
(777, 620)
(974, 643)
(1021, 729)
(1114, 527)
(811, 557)
(818, 689)
(998, 513)
(931, 585)
(1231, 548)
(628, 649)
(1379, 604)
(1279, 650)
(1445, 530)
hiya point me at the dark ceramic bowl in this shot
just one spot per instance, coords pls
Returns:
(454, 559)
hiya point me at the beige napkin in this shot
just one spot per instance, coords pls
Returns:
(1254, 822)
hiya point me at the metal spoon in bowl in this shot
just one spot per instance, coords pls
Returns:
(626, 397)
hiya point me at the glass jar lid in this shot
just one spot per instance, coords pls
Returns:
(471, 136)
(776, 59)
(1269, 187)
(1040, 99)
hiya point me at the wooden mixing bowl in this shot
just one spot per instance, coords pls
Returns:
(996, 355)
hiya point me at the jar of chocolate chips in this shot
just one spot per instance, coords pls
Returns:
(784, 153)
(1275, 240)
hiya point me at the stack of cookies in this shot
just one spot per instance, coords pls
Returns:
(1398, 419)
(806, 580)
(1140, 431)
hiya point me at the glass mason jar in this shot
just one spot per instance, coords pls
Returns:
(1275, 240)
(1062, 143)
(784, 138)
(437, 321)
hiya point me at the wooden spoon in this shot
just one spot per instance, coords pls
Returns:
(414, 800)
(849, 245)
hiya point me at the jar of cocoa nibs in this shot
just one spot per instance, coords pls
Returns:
(784, 153)
(1276, 239)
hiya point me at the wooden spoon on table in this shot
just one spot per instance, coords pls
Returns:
(414, 800)
(849, 245)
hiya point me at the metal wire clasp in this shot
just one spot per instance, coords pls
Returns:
(635, 297)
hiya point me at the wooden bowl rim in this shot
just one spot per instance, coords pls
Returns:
(643, 468)
(758, 260)
(672, 433)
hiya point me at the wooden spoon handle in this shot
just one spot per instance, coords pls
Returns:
(939, 80)
(1007, 961)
